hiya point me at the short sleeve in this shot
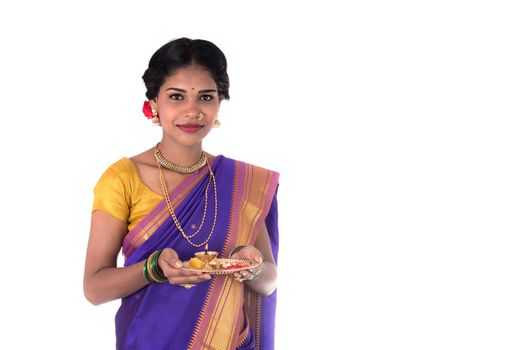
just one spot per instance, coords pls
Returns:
(111, 193)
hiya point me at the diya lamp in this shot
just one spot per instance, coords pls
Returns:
(206, 257)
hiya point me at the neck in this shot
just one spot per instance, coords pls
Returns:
(180, 154)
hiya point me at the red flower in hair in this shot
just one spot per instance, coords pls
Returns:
(146, 109)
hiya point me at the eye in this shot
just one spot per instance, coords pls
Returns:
(206, 97)
(176, 97)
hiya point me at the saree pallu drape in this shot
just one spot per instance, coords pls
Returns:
(207, 316)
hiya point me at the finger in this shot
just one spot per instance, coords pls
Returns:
(170, 257)
(239, 277)
(171, 272)
(242, 253)
(255, 271)
(190, 279)
(257, 255)
(250, 253)
(186, 273)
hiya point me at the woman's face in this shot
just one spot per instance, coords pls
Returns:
(182, 100)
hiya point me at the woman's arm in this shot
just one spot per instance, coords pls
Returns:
(265, 278)
(103, 281)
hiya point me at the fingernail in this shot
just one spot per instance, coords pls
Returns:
(179, 263)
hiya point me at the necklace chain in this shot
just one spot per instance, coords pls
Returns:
(172, 212)
(179, 168)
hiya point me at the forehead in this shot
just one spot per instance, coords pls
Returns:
(191, 76)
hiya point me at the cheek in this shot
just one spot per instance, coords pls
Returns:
(212, 109)
(170, 108)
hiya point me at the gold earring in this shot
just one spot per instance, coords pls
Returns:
(217, 123)
(155, 120)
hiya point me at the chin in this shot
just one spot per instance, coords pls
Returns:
(188, 141)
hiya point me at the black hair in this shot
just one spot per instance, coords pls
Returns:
(184, 52)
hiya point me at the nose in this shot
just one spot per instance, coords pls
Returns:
(193, 110)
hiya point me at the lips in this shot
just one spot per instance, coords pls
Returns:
(190, 127)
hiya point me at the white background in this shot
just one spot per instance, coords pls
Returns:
(396, 126)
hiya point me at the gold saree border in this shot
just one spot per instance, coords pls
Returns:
(224, 327)
(253, 303)
(218, 325)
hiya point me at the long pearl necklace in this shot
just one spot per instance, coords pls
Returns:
(172, 211)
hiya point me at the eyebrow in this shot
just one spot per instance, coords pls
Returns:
(200, 92)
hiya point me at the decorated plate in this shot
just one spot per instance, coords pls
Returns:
(220, 266)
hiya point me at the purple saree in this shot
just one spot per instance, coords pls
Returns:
(207, 316)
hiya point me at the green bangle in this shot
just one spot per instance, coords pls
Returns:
(146, 275)
(157, 272)
(236, 250)
(151, 271)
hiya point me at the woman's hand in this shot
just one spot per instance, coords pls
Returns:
(249, 252)
(171, 268)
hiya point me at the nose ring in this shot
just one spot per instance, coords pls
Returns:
(200, 116)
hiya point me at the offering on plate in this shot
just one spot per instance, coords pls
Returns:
(235, 265)
(206, 257)
(196, 264)
(207, 261)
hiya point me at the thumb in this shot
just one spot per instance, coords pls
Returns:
(171, 258)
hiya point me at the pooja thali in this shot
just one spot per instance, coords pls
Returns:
(219, 266)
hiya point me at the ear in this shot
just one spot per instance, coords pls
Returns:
(153, 104)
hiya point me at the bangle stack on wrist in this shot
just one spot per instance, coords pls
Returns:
(152, 272)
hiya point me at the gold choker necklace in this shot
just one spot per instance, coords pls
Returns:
(178, 168)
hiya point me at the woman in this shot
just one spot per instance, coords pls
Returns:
(165, 204)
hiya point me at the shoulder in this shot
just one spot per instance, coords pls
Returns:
(121, 174)
(121, 168)
(113, 189)
(250, 168)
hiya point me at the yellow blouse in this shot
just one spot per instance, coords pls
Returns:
(121, 193)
